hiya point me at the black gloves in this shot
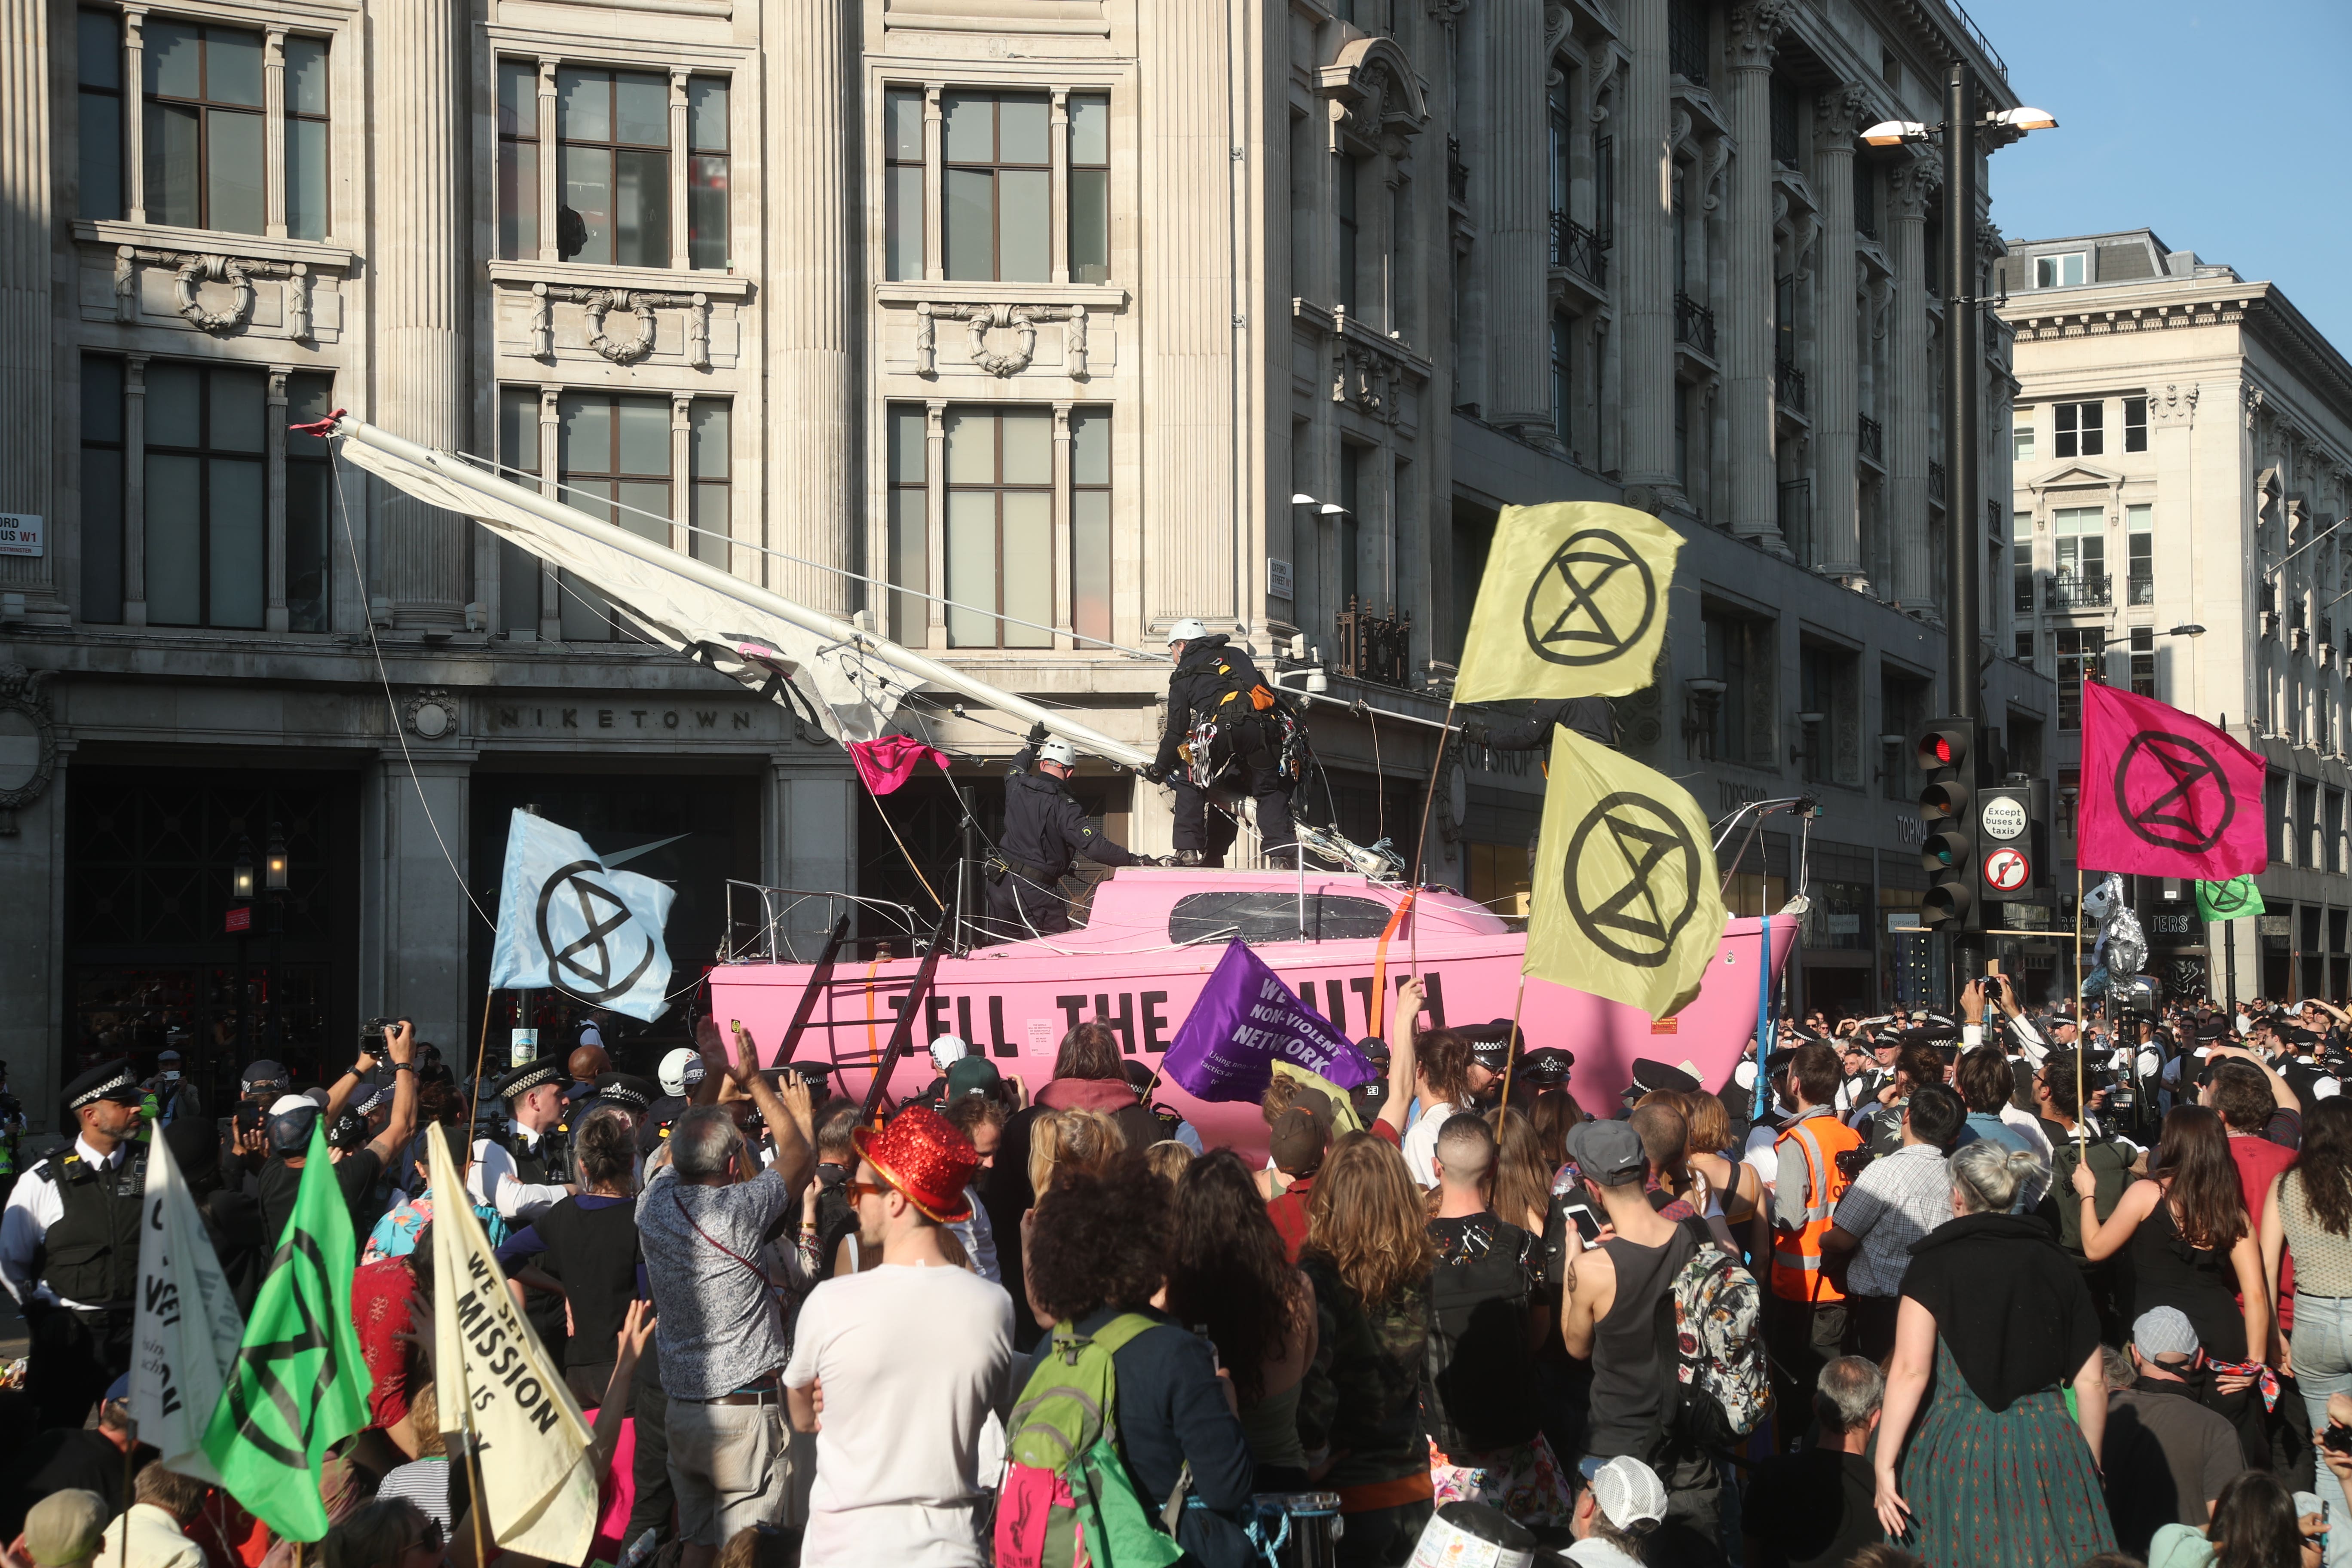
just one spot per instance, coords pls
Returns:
(1037, 734)
(1155, 772)
(1473, 733)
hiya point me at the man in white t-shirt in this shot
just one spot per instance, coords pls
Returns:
(1445, 1075)
(897, 1368)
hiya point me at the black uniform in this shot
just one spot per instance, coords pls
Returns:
(1216, 680)
(1589, 717)
(1046, 830)
(90, 1257)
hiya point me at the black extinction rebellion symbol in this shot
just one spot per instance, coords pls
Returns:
(1643, 913)
(2185, 801)
(272, 1376)
(1564, 620)
(602, 913)
(2230, 898)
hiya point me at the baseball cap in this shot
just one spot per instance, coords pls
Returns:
(1629, 1493)
(681, 1070)
(972, 1075)
(65, 1526)
(290, 1120)
(2164, 1330)
(1606, 1152)
(1296, 1143)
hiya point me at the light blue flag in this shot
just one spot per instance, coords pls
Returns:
(567, 923)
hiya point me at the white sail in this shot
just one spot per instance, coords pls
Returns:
(847, 679)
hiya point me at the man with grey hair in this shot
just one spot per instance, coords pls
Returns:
(2167, 1457)
(701, 1220)
(1812, 1509)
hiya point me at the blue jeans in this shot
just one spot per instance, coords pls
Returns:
(2322, 1351)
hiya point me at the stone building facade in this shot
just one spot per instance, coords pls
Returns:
(1076, 316)
(2183, 452)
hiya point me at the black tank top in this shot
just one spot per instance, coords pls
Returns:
(2165, 1271)
(594, 1252)
(1631, 1380)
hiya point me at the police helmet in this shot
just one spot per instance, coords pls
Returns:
(1187, 630)
(1058, 750)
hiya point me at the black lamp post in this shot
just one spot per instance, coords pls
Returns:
(274, 883)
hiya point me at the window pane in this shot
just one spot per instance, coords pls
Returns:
(909, 449)
(1022, 126)
(306, 179)
(174, 58)
(706, 109)
(518, 200)
(902, 127)
(1090, 128)
(644, 510)
(1090, 448)
(705, 208)
(709, 444)
(518, 575)
(101, 536)
(584, 437)
(1089, 225)
(518, 429)
(971, 127)
(902, 220)
(236, 530)
(234, 163)
(1090, 564)
(1028, 580)
(1028, 447)
(101, 398)
(644, 437)
(1024, 227)
(586, 614)
(641, 209)
(910, 566)
(306, 76)
(971, 565)
(641, 110)
(583, 105)
(586, 174)
(97, 43)
(174, 539)
(236, 400)
(100, 130)
(971, 448)
(518, 97)
(231, 67)
(172, 143)
(712, 530)
(971, 236)
(174, 404)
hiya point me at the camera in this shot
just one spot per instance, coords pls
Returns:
(374, 1029)
(2339, 1437)
(1852, 1163)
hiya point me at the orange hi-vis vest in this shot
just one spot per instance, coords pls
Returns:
(1797, 1254)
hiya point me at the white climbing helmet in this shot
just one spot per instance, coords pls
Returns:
(1058, 750)
(947, 1050)
(1189, 629)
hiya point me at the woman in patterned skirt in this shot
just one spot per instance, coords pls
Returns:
(1995, 1320)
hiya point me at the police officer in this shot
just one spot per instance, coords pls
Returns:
(1589, 717)
(69, 1247)
(1046, 830)
(524, 1170)
(1217, 681)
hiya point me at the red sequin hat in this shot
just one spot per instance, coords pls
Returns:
(926, 1159)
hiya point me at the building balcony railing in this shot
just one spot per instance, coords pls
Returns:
(1936, 481)
(1871, 436)
(1791, 382)
(2088, 591)
(1582, 251)
(2143, 590)
(1372, 647)
(1694, 324)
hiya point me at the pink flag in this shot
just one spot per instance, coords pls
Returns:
(2166, 794)
(884, 763)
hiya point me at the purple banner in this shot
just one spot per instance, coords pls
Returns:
(1245, 1021)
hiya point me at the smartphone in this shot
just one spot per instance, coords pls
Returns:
(1587, 1226)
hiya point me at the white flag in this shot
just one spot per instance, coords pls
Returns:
(495, 1381)
(187, 1330)
(567, 923)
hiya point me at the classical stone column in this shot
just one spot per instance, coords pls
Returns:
(418, 147)
(1645, 257)
(1910, 187)
(1517, 214)
(28, 388)
(421, 910)
(1747, 370)
(1837, 376)
(812, 331)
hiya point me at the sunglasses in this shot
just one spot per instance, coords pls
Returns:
(856, 1191)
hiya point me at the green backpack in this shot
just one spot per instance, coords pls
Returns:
(1068, 1500)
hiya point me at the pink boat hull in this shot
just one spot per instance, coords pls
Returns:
(1015, 1001)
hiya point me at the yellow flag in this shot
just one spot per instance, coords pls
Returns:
(1573, 604)
(1626, 899)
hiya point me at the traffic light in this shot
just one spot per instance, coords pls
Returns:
(1947, 822)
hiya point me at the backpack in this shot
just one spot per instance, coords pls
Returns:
(1067, 1500)
(1718, 1349)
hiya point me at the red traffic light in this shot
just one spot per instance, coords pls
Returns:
(1946, 746)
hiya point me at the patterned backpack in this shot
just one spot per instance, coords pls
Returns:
(1718, 1349)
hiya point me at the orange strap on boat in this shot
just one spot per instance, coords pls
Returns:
(1378, 1019)
(873, 1045)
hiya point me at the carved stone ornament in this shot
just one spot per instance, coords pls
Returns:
(600, 303)
(1021, 321)
(430, 715)
(191, 271)
(29, 744)
(1372, 93)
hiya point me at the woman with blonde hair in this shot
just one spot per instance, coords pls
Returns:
(1368, 1255)
(1064, 1141)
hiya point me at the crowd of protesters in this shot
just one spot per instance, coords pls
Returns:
(2004, 1289)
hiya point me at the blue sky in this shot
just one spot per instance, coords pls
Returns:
(2216, 124)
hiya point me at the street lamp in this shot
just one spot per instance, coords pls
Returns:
(276, 869)
(2190, 630)
(240, 876)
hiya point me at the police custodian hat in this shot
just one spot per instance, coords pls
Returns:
(530, 1075)
(625, 1089)
(108, 1080)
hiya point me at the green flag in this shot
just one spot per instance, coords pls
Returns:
(1573, 604)
(2229, 900)
(299, 1386)
(1626, 904)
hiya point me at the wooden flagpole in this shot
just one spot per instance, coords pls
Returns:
(481, 1056)
(1512, 1061)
